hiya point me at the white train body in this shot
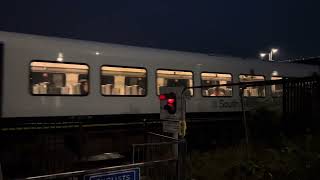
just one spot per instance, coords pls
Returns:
(19, 50)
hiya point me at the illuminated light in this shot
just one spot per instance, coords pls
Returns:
(171, 101)
(274, 50)
(275, 73)
(162, 97)
(60, 57)
(122, 69)
(262, 55)
(170, 72)
(46, 65)
(97, 53)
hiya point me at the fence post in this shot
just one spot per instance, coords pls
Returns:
(1, 177)
(133, 152)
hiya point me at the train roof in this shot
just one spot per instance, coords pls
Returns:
(109, 49)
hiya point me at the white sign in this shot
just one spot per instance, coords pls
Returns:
(171, 126)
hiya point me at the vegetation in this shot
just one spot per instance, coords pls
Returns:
(292, 161)
(274, 155)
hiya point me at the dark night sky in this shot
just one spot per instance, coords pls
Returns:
(232, 27)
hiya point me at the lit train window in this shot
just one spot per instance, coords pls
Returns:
(208, 79)
(123, 81)
(253, 91)
(276, 89)
(173, 78)
(55, 78)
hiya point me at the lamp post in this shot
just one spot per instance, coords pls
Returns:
(271, 54)
(273, 51)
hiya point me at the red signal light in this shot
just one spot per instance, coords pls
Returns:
(171, 101)
(162, 97)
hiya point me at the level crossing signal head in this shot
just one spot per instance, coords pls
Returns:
(170, 104)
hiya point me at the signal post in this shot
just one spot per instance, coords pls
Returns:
(172, 112)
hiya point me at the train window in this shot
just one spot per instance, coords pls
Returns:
(276, 89)
(253, 91)
(123, 81)
(55, 78)
(173, 78)
(208, 79)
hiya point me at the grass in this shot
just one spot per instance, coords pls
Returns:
(273, 155)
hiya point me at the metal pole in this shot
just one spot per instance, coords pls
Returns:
(183, 116)
(1, 177)
(133, 152)
(244, 121)
(270, 56)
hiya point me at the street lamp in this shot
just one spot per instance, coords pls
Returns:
(272, 52)
(262, 55)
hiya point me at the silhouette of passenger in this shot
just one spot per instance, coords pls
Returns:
(84, 87)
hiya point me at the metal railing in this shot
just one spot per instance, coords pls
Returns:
(298, 97)
(300, 102)
(154, 170)
(160, 158)
(157, 147)
(163, 147)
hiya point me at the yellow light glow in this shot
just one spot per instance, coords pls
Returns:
(169, 72)
(58, 65)
(216, 75)
(275, 73)
(249, 78)
(276, 78)
(122, 69)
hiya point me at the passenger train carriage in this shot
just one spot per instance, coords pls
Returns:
(51, 77)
